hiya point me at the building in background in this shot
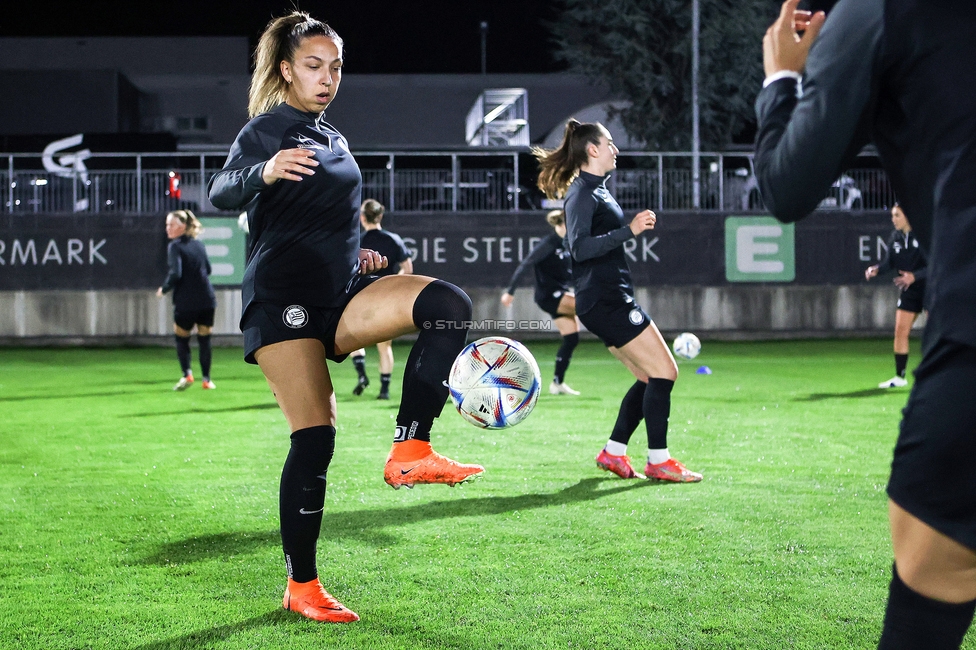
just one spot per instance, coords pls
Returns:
(195, 88)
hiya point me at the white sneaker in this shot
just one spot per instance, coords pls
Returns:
(183, 383)
(561, 389)
(894, 382)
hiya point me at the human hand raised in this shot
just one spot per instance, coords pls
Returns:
(507, 299)
(870, 272)
(643, 221)
(783, 47)
(290, 165)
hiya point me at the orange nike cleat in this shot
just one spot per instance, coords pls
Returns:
(413, 461)
(208, 385)
(619, 465)
(310, 599)
(671, 470)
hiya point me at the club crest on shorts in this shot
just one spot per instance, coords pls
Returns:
(295, 316)
(636, 317)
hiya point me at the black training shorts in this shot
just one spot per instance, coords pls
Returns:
(187, 318)
(550, 303)
(933, 474)
(265, 323)
(616, 321)
(911, 298)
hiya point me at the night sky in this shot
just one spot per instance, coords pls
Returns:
(381, 36)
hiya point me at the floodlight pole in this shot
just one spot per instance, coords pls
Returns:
(695, 135)
(484, 47)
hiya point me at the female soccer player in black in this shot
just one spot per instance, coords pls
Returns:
(905, 257)
(193, 295)
(391, 246)
(553, 293)
(308, 295)
(596, 231)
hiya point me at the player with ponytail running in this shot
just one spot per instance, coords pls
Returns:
(596, 231)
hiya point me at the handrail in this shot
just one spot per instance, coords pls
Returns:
(463, 180)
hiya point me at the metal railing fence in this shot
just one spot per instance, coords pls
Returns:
(414, 181)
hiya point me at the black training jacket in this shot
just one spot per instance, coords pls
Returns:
(596, 231)
(553, 269)
(189, 275)
(900, 73)
(303, 243)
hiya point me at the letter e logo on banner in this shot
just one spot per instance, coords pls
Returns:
(759, 249)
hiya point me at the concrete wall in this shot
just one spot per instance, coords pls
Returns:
(730, 312)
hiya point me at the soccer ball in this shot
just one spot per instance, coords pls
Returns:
(686, 345)
(494, 383)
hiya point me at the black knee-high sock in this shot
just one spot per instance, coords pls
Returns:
(914, 622)
(385, 382)
(630, 414)
(564, 355)
(301, 498)
(183, 353)
(206, 354)
(901, 363)
(657, 410)
(443, 313)
(360, 364)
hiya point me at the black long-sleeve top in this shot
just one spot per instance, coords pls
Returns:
(553, 268)
(189, 275)
(596, 231)
(303, 244)
(900, 73)
(903, 254)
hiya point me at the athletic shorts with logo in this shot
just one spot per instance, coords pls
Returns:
(265, 323)
(616, 321)
(912, 298)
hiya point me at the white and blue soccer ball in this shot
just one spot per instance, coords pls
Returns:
(495, 382)
(686, 345)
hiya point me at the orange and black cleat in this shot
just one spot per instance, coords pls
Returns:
(310, 599)
(413, 461)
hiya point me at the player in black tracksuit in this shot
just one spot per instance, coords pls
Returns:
(596, 231)
(905, 257)
(308, 294)
(194, 302)
(899, 73)
(391, 246)
(550, 260)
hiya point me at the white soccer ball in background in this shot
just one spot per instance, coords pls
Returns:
(495, 382)
(686, 345)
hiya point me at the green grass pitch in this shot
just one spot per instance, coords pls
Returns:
(133, 517)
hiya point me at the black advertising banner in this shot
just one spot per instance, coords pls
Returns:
(82, 251)
(708, 249)
(115, 251)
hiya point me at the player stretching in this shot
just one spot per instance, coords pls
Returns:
(553, 294)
